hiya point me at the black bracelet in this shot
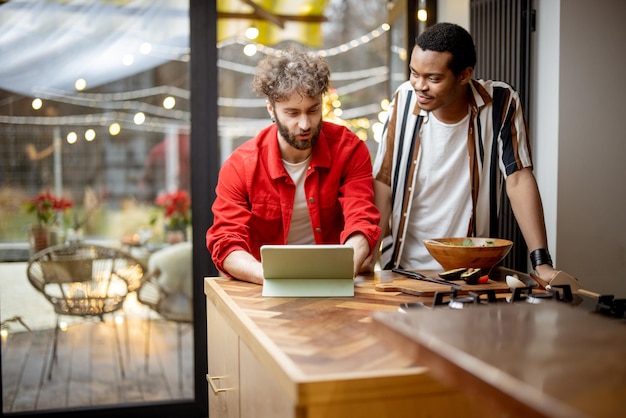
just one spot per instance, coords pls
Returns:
(540, 256)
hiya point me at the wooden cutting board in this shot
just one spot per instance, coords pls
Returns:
(394, 282)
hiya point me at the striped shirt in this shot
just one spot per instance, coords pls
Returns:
(497, 146)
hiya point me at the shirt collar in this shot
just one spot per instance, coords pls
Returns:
(480, 96)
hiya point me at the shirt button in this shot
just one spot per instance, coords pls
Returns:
(318, 230)
(311, 200)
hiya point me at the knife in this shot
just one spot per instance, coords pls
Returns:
(418, 276)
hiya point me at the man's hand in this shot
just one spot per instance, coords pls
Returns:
(546, 272)
(369, 264)
(361, 250)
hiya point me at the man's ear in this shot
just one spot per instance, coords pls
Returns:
(466, 75)
(270, 109)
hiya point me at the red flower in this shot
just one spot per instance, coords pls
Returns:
(46, 206)
(176, 206)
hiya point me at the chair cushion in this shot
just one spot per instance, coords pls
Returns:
(174, 263)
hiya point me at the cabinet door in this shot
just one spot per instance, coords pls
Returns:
(223, 359)
(261, 394)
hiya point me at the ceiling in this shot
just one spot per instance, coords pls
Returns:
(47, 45)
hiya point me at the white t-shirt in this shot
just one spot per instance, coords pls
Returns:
(442, 188)
(300, 230)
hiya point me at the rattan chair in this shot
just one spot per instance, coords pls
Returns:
(83, 280)
(168, 292)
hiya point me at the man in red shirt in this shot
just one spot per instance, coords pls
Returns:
(299, 181)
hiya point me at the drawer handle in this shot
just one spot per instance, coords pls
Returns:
(214, 388)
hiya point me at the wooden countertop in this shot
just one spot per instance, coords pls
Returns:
(326, 348)
(317, 336)
(546, 360)
(325, 335)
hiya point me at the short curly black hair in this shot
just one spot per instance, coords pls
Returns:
(292, 70)
(448, 37)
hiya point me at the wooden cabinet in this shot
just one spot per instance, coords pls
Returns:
(313, 357)
(223, 376)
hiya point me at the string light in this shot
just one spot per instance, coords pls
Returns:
(71, 138)
(125, 120)
(333, 51)
(139, 118)
(377, 129)
(250, 50)
(124, 100)
(128, 59)
(422, 14)
(252, 32)
(80, 84)
(90, 135)
(145, 48)
(169, 102)
(115, 129)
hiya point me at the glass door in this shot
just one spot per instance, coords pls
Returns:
(94, 148)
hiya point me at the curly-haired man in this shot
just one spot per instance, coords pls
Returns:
(299, 181)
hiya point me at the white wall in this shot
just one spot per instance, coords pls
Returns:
(576, 125)
(591, 223)
(454, 11)
(544, 105)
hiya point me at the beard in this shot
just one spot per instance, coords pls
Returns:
(290, 137)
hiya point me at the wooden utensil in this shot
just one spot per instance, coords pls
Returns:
(563, 278)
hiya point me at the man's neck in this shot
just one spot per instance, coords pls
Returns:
(293, 155)
(455, 111)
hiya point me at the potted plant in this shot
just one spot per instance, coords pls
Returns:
(47, 209)
(176, 210)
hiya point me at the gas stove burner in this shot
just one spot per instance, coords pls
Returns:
(452, 299)
(609, 306)
(531, 295)
(536, 298)
(477, 297)
(440, 298)
(605, 305)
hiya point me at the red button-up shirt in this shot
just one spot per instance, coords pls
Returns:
(255, 194)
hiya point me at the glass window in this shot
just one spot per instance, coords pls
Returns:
(94, 113)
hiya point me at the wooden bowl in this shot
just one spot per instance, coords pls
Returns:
(484, 253)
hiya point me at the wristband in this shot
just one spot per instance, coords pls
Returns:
(540, 256)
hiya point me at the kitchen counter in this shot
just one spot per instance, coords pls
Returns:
(314, 357)
(520, 360)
